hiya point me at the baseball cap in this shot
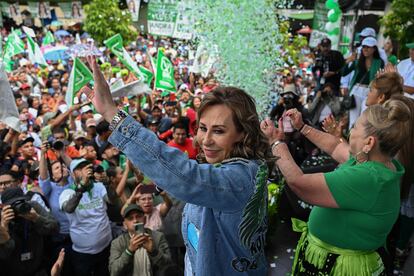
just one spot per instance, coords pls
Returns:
(90, 122)
(24, 86)
(79, 134)
(366, 32)
(85, 109)
(76, 162)
(165, 94)
(130, 208)
(25, 141)
(183, 86)
(325, 41)
(410, 45)
(369, 41)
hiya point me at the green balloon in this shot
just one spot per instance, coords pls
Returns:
(334, 32)
(346, 39)
(333, 16)
(331, 4)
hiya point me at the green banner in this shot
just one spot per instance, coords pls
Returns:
(164, 79)
(169, 18)
(320, 18)
(79, 77)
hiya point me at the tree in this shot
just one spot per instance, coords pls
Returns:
(399, 25)
(104, 19)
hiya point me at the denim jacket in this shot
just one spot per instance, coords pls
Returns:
(225, 220)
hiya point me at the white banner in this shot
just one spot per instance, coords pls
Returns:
(43, 10)
(133, 7)
(77, 12)
(8, 109)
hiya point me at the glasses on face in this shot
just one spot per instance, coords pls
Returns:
(6, 183)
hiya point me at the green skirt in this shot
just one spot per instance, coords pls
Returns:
(315, 257)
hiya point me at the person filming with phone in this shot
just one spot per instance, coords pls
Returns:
(139, 251)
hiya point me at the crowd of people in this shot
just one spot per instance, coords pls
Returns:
(175, 182)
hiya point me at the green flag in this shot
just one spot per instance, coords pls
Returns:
(164, 77)
(79, 76)
(48, 39)
(115, 44)
(147, 74)
(35, 55)
(14, 46)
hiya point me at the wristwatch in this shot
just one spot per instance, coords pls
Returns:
(119, 116)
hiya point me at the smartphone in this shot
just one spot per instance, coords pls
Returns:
(148, 189)
(139, 228)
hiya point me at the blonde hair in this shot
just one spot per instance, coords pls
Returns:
(388, 84)
(390, 123)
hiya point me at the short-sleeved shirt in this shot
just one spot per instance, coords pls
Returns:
(89, 230)
(406, 70)
(368, 196)
(187, 148)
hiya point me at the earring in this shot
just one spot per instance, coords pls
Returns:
(362, 156)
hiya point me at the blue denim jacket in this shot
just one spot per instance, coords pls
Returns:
(225, 220)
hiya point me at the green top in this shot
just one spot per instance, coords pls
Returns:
(359, 76)
(368, 196)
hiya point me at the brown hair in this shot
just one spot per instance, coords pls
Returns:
(254, 145)
(388, 84)
(390, 123)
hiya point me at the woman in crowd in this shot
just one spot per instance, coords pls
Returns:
(225, 219)
(365, 69)
(362, 196)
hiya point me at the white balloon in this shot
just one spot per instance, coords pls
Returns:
(329, 26)
(330, 12)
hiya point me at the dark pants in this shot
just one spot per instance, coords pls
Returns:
(57, 242)
(90, 264)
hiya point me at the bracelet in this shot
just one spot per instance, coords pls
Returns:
(119, 116)
(129, 252)
(300, 129)
(307, 132)
(275, 144)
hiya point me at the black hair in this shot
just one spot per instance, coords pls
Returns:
(102, 127)
(361, 60)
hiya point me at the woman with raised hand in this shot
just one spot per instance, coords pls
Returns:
(357, 204)
(225, 219)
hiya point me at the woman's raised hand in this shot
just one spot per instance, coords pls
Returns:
(271, 132)
(296, 118)
(100, 97)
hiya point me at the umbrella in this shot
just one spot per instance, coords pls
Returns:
(56, 53)
(304, 30)
(83, 50)
(61, 33)
(56, 23)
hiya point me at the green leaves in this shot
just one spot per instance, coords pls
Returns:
(104, 19)
(398, 24)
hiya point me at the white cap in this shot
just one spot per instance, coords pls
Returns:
(183, 86)
(85, 108)
(369, 41)
(368, 32)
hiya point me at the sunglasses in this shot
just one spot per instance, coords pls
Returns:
(6, 183)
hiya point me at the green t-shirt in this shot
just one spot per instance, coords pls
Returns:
(368, 196)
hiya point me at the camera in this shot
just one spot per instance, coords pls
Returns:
(56, 144)
(20, 206)
(288, 100)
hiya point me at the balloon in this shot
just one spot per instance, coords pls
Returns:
(334, 40)
(331, 4)
(329, 26)
(346, 39)
(333, 15)
(335, 31)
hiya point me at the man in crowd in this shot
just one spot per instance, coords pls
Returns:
(406, 69)
(85, 203)
(27, 224)
(140, 251)
(182, 142)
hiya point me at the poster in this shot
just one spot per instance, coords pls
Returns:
(66, 8)
(320, 18)
(133, 7)
(14, 10)
(43, 10)
(169, 18)
(77, 10)
(33, 9)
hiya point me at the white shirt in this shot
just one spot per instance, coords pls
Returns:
(89, 228)
(406, 70)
